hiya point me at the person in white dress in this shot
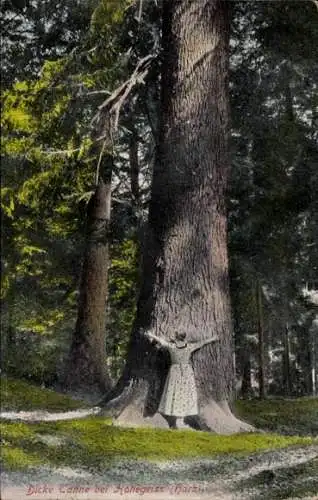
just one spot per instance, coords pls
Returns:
(179, 398)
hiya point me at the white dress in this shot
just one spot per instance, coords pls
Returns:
(179, 397)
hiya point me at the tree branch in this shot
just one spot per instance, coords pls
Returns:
(113, 104)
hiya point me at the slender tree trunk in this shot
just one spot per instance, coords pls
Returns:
(246, 390)
(261, 343)
(185, 267)
(304, 360)
(134, 168)
(141, 225)
(314, 357)
(286, 361)
(86, 367)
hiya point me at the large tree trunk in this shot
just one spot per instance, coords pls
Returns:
(185, 268)
(86, 367)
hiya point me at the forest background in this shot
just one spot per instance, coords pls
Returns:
(80, 92)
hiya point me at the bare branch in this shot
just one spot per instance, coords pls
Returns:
(96, 92)
(115, 101)
(122, 202)
(62, 152)
(140, 11)
(136, 76)
(107, 116)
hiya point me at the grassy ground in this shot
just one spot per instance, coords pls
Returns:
(93, 442)
(286, 416)
(20, 395)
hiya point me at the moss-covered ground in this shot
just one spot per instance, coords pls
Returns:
(93, 441)
(19, 395)
(286, 416)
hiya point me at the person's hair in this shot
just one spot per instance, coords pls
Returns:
(180, 335)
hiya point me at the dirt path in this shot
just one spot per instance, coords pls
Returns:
(47, 416)
(219, 478)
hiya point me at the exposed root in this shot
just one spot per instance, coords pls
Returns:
(214, 417)
(217, 417)
(132, 416)
(127, 405)
(114, 402)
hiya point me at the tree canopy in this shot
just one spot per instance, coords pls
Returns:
(62, 62)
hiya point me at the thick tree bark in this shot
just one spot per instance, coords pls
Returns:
(86, 367)
(185, 267)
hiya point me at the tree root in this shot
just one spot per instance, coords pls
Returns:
(214, 417)
(128, 410)
(132, 416)
(218, 417)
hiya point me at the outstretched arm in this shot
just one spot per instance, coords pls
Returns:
(160, 340)
(200, 344)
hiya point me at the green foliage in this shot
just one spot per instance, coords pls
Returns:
(42, 30)
(15, 458)
(123, 279)
(273, 181)
(48, 175)
(32, 354)
(109, 13)
(19, 395)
